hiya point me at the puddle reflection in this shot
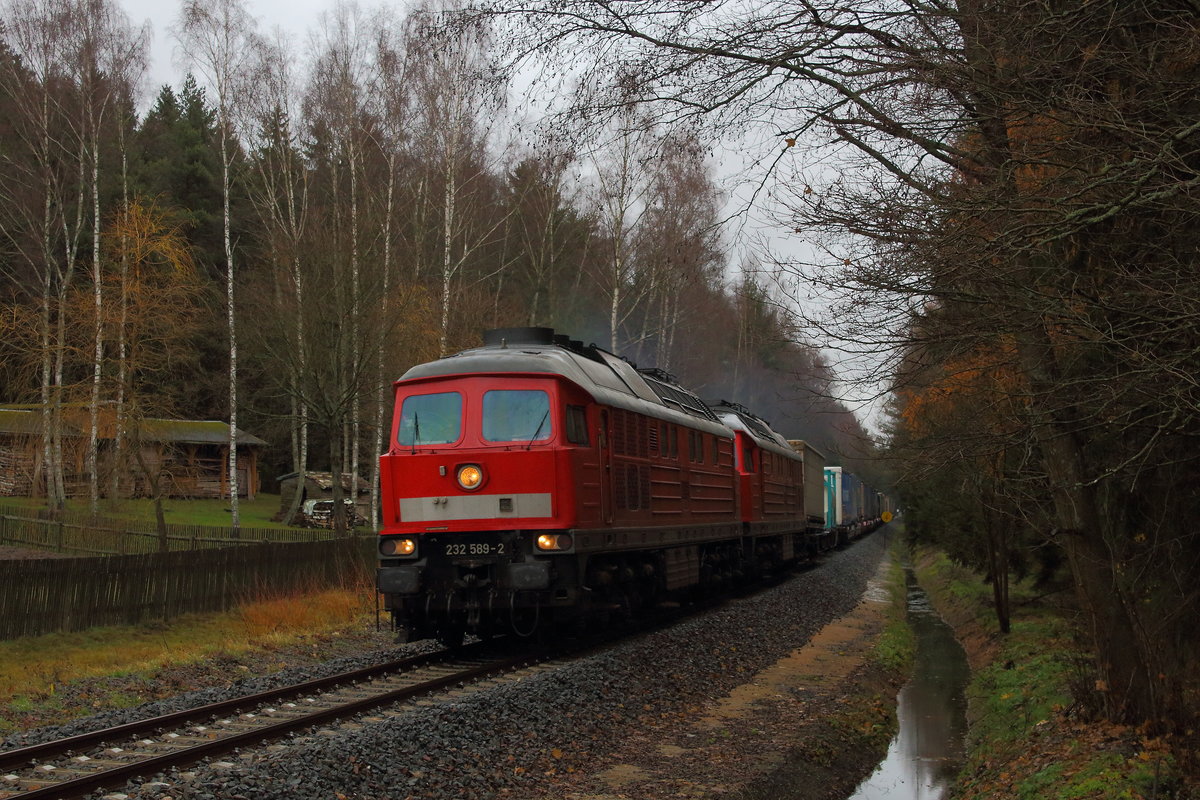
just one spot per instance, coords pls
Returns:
(928, 749)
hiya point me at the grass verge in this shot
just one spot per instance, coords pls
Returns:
(51, 679)
(256, 513)
(1027, 740)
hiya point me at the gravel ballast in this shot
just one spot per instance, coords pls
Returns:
(511, 740)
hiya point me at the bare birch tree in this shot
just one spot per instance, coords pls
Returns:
(393, 71)
(279, 192)
(679, 258)
(624, 176)
(459, 95)
(337, 102)
(108, 59)
(45, 194)
(218, 39)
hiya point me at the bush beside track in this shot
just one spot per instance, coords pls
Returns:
(1029, 738)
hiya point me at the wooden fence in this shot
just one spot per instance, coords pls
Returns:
(80, 534)
(40, 596)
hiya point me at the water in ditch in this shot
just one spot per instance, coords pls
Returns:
(928, 749)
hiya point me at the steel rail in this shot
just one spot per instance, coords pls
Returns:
(14, 759)
(117, 775)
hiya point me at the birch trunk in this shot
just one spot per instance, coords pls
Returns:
(98, 333)
(381, 383)
(229, 308)
(448, 209)
(356, 399)
(122, 349)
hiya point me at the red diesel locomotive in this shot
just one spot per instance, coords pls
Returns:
(534, 480)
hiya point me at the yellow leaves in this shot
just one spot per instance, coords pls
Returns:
(556, 753)
(141, 236)
(980, 386)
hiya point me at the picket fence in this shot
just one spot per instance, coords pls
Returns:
(50, 595)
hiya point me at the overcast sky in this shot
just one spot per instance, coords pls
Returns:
(296, 17)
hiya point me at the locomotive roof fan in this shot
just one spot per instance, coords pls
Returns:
(502, 337)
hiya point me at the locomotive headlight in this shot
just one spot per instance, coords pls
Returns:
(397, 546)
(554, 541)
(470, 476)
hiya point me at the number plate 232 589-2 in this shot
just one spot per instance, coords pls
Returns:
(475, 549)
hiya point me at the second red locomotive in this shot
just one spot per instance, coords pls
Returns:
(534, 479)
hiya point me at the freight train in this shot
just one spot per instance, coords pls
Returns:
(535, 481)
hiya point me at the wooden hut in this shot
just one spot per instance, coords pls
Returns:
(193, 456)
(20, 451)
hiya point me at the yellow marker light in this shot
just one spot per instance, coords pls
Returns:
(554, 541)
(470, 476)
(397, 546)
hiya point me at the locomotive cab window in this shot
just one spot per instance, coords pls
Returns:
(516, 415)
(430, 419)
(577, 432)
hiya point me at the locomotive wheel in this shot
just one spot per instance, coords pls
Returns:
(452, 637)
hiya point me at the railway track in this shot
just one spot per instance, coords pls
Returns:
(109, 758)
(104, 759)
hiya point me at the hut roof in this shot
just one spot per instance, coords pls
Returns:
(18, 421)
(193, 432)
(182, 431)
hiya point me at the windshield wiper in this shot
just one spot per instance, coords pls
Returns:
(416, 431)
(533, 438)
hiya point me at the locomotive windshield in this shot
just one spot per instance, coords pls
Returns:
(516, 415)
(430, 419)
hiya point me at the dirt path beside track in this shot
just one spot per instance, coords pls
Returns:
(803, 728)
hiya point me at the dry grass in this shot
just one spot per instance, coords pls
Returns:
(33, 668)
(303, 612)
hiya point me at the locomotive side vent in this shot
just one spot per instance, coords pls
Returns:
(620, 432)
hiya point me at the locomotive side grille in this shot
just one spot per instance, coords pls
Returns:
(633, 487)
(633, 434)
(619, 432)
(628, 487)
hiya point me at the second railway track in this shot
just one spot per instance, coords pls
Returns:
(78, 765)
